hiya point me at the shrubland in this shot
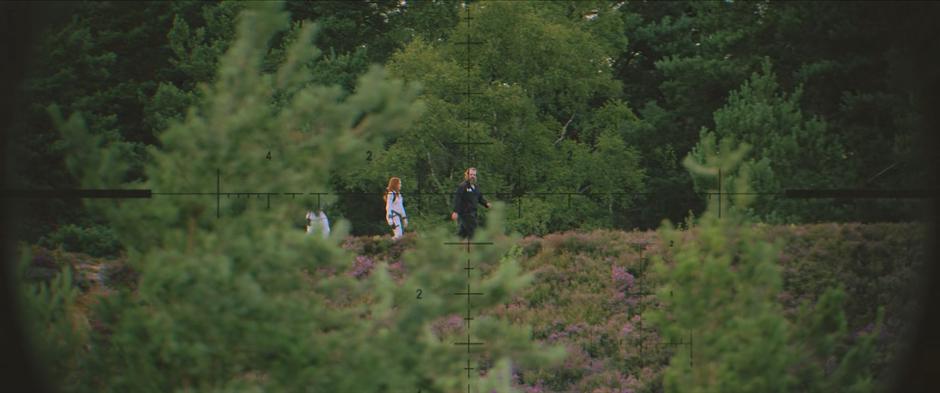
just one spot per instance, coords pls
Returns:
(593, 293)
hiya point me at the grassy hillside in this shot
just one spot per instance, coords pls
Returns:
(590, 291)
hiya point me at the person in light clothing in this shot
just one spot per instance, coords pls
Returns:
(395, 208)
(318, 220)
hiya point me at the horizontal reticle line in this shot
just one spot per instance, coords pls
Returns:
(862, 193)
(791, 193)
(146, 193)
(75, 193)
(468, 244)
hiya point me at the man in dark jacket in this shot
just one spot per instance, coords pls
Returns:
(466, 198)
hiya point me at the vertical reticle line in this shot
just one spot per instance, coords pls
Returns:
(318, 197)
(218, 193)
(466, 157)
(468, 293)
(468, 318)
(468, 93)
(467, 145)
(690, 343)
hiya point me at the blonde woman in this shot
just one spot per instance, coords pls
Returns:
(395, 208)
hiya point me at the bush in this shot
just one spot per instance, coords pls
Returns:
(97, 240)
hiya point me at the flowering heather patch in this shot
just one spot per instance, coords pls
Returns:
(578, 297)
(397, 270)
(875, 264)
(120, 275)
(614, 263)
(43, 258)
(626, 330)
(362, 266)
(608, 381)
(622, 279)
(446, 326)
(569, 331)
(578, 300)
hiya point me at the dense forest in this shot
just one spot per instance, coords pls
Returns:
(596, 99)
(637, 154)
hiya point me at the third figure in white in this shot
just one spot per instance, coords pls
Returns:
(395, 207)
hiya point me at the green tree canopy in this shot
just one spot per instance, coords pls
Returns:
(538, 87)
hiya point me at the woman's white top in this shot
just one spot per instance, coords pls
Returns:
(394, 207)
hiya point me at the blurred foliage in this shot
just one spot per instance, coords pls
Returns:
(234, 303)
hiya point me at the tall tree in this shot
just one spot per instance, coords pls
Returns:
(788, 151)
